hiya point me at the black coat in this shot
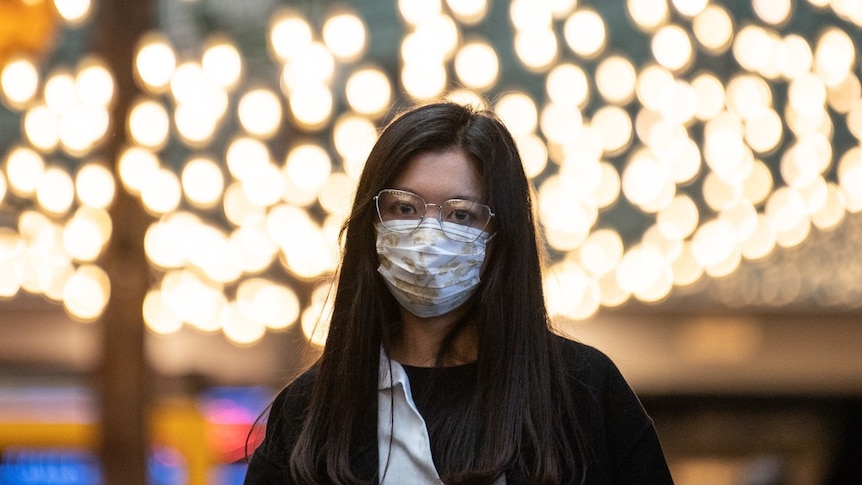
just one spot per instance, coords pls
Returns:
(623, 445)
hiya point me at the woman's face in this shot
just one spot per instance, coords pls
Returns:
(441, 176)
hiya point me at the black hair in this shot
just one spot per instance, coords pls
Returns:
(518, 414)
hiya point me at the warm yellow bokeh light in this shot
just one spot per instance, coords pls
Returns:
(850, 178)
(469, 12)
(527, 15)
(585, 33)
(312, 106)
(571, 292)
(24, 170)
(94, 83)
(19, 82)
(246, 156)
(308, 167)
(754, 48)
(560, 124)
(710, 94)
(167, 241)
(640, 268)
(42, 128)
(414, 12)
(672, 49)
(773, 12)
(73, 12)
(316, 316)
(534, 154)
(424, 81)
(252, 247)
(336, 196)
(568, 85)
(238, 209)
(149, 123)
(238, 328)
(601, 252)
(268, 303)
(477, 65)
(194, 299)
(197, 121)
(202, 182)
(369, 91)
(353, 137)
(158, 317)
(518, 112)
(222, 63)
(314, 65)
(86, 292)
(155, 62)
(655, 86)
(188, 82)
(713, 29)
(644, 179)
(615, 127)
(161, 191)
(616, 79)
(648, 15)
(678, 220)
(134, 166)
(537, 49)
(345, 36)
(86, 233)
(565, 214)
(95, 185)
(260, 112)
(289, 34)
(835, 56)
(265, 186)
(56, 191)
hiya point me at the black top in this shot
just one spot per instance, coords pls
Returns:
(623, 445)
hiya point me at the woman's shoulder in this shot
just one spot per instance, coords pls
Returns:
(579, 357)
(288, 409)
(296, 395)
(590, 369)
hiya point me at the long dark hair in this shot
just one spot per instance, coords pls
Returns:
(514, 420)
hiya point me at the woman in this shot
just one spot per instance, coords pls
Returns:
(431, 373)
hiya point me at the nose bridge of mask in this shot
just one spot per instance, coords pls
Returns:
(431, 222)
(445, 227)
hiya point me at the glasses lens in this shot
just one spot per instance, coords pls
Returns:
(400, 211)
(466, 213)
(464, 220)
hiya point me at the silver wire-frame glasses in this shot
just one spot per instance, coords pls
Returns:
(460, 220)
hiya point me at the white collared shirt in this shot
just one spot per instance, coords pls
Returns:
(403, 444)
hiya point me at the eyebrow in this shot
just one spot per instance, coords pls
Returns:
(470, 198)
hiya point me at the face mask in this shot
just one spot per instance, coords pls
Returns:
(428, 273)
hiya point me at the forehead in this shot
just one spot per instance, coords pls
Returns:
(441, 175)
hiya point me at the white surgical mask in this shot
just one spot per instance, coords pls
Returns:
(428, 273)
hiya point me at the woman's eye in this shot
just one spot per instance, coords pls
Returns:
(461, 216)
(404, 209)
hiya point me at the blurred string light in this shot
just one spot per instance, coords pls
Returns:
(723, 167)
(61, 224)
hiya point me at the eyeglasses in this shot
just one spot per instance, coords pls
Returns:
(403, 212)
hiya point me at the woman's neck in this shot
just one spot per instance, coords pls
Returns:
(421, 338)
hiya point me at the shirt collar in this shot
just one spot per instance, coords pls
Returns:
(391, 373)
